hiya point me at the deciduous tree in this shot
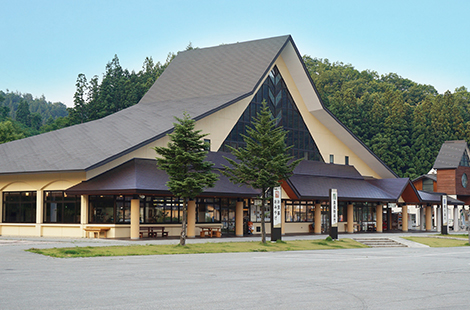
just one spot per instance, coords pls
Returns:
(9, 132)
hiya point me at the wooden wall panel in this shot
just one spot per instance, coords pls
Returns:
(419, 185)
(446, 182)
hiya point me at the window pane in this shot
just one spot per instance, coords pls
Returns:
(102, 209)
(12, 197)
(12, 213)
(70, 214)
(123, 209)
(19, 207)
(61, 208)
(51, 212)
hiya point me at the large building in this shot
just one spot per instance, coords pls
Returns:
(103, 173)
(449, 176)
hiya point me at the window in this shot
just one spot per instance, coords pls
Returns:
(19, 207)
(428, 185)
(227, 215)
(285, 113)
(123, 209)
(342, 212)
(208, 210)
(156, 209)
(365, 216)
(298, 211)
(464, 161)
(346, 160)
(102, 209)
(255, 211)
(332, 159)
(61, 208)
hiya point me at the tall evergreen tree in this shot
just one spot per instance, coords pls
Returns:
(264, 162)
(4, 111)
(184, 162)
(422, 150)
(35, 121)
(23, 113)
(79, 114)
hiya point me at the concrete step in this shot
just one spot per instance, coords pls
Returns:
(380, 242)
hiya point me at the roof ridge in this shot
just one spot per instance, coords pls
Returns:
(287, 36)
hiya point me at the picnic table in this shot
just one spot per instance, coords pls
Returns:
(153, 231)
(210, 232)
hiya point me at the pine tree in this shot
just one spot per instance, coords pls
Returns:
(78, 114)
(184, 162)
(23, 113)
(264, 162)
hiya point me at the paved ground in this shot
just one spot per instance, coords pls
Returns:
(400, 278)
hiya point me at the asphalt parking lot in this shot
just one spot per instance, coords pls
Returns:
(414, 277)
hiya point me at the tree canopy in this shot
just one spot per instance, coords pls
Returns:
(27, 115)
(404, 123)
(118, 89)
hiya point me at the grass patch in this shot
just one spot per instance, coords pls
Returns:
(464, 236)
(438, 242)
(199, 248)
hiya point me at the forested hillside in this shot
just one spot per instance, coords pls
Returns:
(21, 115)
(401, 121)
(118, 90)
(44, 108)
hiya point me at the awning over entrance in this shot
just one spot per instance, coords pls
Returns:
(435, 199)
(313, 180)
(141, 176)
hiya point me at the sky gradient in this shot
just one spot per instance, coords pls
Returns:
(47, 43)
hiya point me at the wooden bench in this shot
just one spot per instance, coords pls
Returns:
(96, 231)
(210, 232)
(153, 231)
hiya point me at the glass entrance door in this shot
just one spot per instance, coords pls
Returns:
(325, 219)
(228, 218)
(365, 218)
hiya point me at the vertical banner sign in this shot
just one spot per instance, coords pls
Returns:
(444, 214)
(277, 207)
(334, 213)
(276, 215)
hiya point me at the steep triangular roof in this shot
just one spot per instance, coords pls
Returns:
(199, 81)
(232, 69)
(196, 81)
(450, 154)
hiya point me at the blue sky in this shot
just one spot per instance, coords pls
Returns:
(45, 44)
